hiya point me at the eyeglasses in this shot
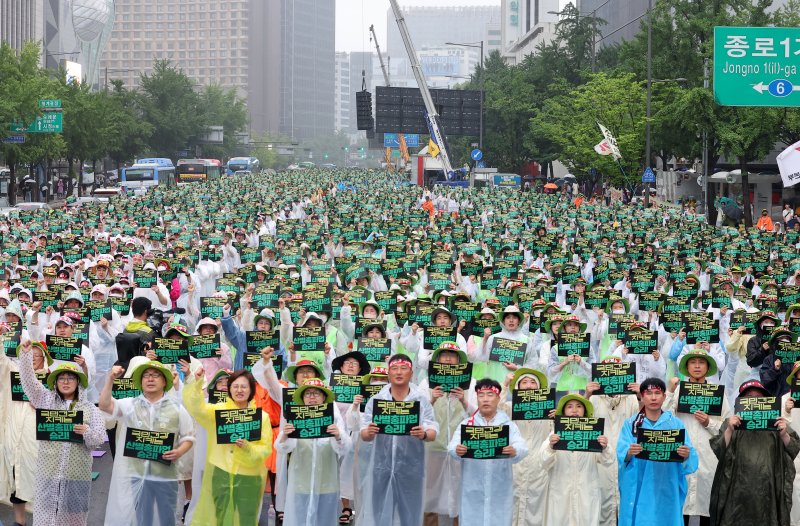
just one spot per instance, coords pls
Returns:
(67, 378)
(152, 375)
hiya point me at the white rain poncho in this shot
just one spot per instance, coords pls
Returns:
(312, 491)
(64, 469)
(394, 484)
(487, 492)
(145, 491)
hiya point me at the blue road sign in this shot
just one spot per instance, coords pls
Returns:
(476, 155)
(648, 176)
(14, 139)
(412, 140)
(480, 164)
(391, 140)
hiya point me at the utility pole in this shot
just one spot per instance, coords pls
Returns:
(649, 91)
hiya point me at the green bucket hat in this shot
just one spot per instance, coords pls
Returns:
(43, 346)
(612, 301)
(586, 403)
(312, 383)
(291, 371)
(449, 347)
(526, 371)
(67, 368)
(136, 376)
(697, 353)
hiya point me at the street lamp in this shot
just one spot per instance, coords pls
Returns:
(483, 74)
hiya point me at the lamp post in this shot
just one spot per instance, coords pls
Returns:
(483, 74)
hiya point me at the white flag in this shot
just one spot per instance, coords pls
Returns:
(603, 148)
(789, 165)
(612, 142)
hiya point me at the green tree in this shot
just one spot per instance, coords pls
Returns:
(172, 106)
(127, 132)
(223, 107)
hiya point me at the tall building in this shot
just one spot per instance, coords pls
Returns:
(21, 21)
(525, 24)
(307, 67)
(623, 18)
(342, 92)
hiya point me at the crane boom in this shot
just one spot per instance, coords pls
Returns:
(380, 57)
(433, 115)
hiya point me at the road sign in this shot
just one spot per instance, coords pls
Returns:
(756, 66)
(14, 139)
(480, 164)
(648, 176)
(47, 123)
(476, 155)
(412, 140)
(391, 140)
(50, 103)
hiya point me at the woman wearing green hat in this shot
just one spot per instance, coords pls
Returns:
(64, 469)
(18, 448)
(573, 491)
(312, 491)
(697, 365)
(145, 491)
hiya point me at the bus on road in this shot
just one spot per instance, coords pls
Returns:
(146, 173)
(194, 170)
(243, 164)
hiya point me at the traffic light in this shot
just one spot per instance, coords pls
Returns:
(364, 118)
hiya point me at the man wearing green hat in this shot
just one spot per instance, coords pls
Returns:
(145, 491)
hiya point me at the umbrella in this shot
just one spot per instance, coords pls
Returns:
(551, 186)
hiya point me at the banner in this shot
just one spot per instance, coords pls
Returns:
(395, 418)
(610, 142)
(758, 412)
(235, 424)
(148, 445)
(700, 397)
(449, 376)
(569, 344)
(614, 377)
(532, 404)
(660, 445)
(57, 426)
(504, 350)
(310, 421)
(578, 433)
(484, 442)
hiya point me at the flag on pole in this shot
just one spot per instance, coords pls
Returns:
(612, 142)
(433, 149)
(789, 165)
(603, 148)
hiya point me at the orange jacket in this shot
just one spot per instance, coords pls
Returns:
(765, 223)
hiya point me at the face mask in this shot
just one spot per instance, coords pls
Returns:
(618, 311)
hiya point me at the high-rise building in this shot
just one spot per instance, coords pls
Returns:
(525, 24)
(307, 67)
(342, 92)
(21, 21)
(623, 18)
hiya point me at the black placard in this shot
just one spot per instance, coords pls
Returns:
(484, 442)
(504, 350)
(532, 404)
(170, 351)
(204, 346)
(49, 298)
(257, 340)
(124, 388)
(310, 421)
(11, 342)
(99, 309)
(309, 339)
(701, 326)
(660, 445)
(700, 397)
(145, 278)
(368, 391)
(569, 344)
(479, 325)
(17, 393)
(787, 351)
(395, 418)
(345, 386)
(614, 377)
(235, 424)
(211, 307)
(578, 433)
(375, 349)
(64, 348)
(758, 412)
(641, 341)
(449, 376)
(121, 305)
(741, 317)
(317, 299)
(650, 300)
(434, 336)
(148, 445)
(57, 425)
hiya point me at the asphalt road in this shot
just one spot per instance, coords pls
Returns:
(97, 510)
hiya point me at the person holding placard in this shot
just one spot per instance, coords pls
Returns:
(529, 488)
(788, 406)
(764, 459)
(649, 365)
(263, 321)
(19, 449)
(572, 477)
(487, 493)
(652, 493)
(758, 346)
(222, 357)
(239, 464)
(156, 431)
(64, 328)
(64, 467)
(615, 409)
(395, 483)
(513, 327)
(697, 365)
(450, 407)
(779, 364)
(312, 493)
(680, 348)
(569, 373)
(414, 341)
